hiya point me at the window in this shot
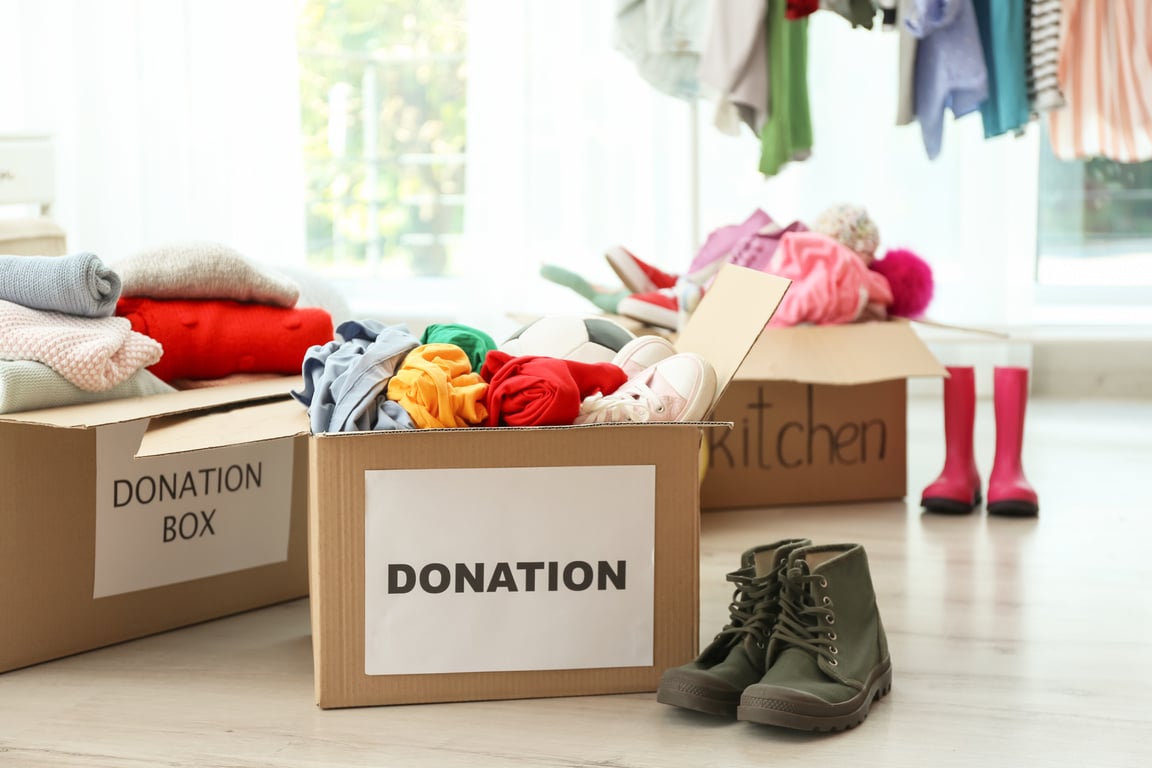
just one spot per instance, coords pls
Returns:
(383, 92)
(1094, 226)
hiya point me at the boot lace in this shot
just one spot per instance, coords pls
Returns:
(804, 622)
(637, 405)
(753, 609)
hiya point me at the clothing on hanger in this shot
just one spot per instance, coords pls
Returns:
(787, 133)
(950, 73)
(734, 64)
(663, 38)
(1105, 74)
(1006, 110)
(1043, 40)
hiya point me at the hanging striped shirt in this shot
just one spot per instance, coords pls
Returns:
(1105, 74)
(1043, 39)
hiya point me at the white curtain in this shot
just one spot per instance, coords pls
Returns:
(172, 119)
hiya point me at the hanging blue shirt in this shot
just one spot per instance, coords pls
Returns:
(950, 69)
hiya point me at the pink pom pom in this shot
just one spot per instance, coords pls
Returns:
(910, 278)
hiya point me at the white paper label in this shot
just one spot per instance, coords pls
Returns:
(166, 519)
(527, 568)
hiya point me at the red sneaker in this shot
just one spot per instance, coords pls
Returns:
(659, 308)
(638, 276)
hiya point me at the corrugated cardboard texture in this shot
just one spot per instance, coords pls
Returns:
(47, 554)
(336, 541)
(802, 443)
(234, 425)
(857, 353)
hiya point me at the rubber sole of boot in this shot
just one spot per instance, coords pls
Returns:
(950, 506)
(678, 691)
(1013, 508)
(779, 710)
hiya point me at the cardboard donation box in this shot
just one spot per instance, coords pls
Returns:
(112, 527)
(472, 564)
(819, 415)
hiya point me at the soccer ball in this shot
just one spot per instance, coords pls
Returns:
(583, 339)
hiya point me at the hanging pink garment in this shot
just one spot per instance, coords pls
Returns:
(1105, 74)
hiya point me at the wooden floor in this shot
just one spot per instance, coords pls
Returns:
(1014, 642)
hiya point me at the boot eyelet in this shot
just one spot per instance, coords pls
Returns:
(831, 635)
(833, 663)
(833, 650)
(831, 619)
(827, 600)
(823, 582)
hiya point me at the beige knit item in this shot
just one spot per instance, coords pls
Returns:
(27, 385)
(94, 353)
(203, 270)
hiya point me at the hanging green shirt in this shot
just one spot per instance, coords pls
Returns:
(787, 133)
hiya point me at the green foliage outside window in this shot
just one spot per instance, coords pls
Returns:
(1095, 207)
(382, 86)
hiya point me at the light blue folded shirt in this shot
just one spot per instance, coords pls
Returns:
(346, 380)
(78, 284)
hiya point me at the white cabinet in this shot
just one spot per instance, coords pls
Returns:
(27, 191)
(27, 170)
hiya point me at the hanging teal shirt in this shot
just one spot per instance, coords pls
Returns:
(1002, 34)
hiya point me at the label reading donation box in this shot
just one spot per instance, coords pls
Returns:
(167, 519)
(492, 570)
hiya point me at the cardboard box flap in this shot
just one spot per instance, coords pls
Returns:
(236, 426)
(132, 408)
(731, 316)
(856, 353)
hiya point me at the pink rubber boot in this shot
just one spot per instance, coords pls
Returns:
(1009, 492)
(957, 489)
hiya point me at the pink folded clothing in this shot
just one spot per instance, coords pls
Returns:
(532, 391)
(720, 241)
(756, 249)
(212, 338)
(93, 353)
(830, 283)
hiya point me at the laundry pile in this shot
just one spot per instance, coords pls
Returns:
(76, 330)
(836, 274)
(374, 376)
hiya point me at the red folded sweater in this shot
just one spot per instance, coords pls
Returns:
(213, 338)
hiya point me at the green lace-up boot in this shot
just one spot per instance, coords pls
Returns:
(713, 682)
(827, 657)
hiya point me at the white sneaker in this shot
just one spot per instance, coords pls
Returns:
(643, 352)
(678, 388)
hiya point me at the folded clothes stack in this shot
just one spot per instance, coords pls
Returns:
(60, 344)
(76, 330)
(216, 313)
